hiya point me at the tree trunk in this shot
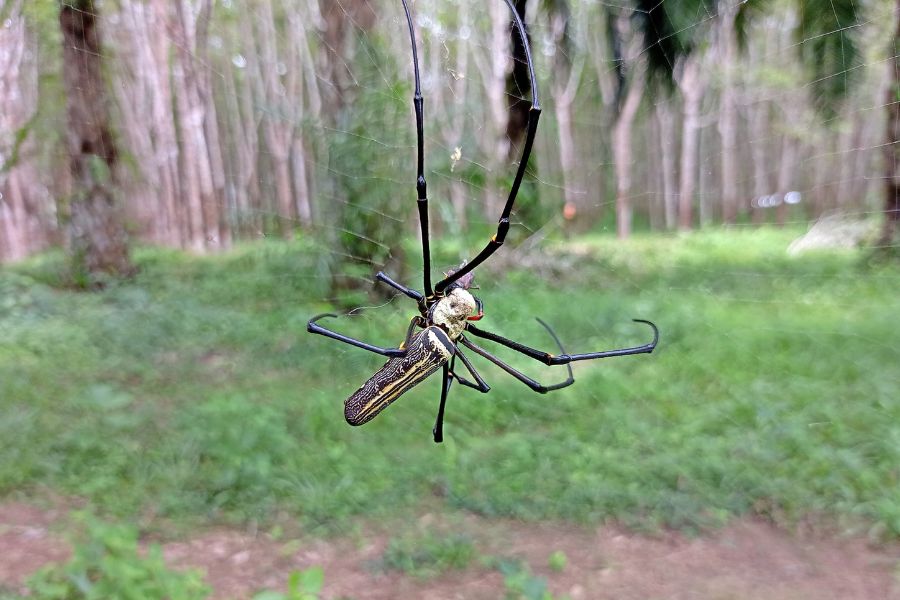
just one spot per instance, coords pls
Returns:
(188, 30)
(633, 78)
(622, 152)
(13, 211)
(96, 237)
(892, 142)
(573, 195)
(667, 159)
(728, 111)
(566, 78)
(518, 84)
(785, 176)
(493, 140)
(762, 186)
(451, 125)
(727, 124)
(690, 83)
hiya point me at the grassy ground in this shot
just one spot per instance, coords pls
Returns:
(194, 393)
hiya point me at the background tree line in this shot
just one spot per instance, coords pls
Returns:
(224, 121)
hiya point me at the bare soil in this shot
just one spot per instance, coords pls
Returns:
(749, 560)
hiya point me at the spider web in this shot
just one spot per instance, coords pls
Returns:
(324, 91)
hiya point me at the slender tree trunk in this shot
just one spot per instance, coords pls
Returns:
(96, 236)
(301, 182)
(785, 176)
(13, 211)
(622, 153)
(727, 125)
(518, 84)
(705, 180)
(492, 65)
(633, 76)
(667, 142)
(566, 78)
(163, 128)
(221, 228)
(762, 186)
(892, 142)
(301, 90)
(573, 195)
(245, 123)
(452, 125)
(279, 123)
(691, 84)
(189, 32)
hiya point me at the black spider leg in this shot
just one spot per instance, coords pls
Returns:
(421, 186)
(503, 226)
(417, 296)
(564, 359)
(449, 376)
(533, 384)
(480, 385)
(314, 327)
(446, 382)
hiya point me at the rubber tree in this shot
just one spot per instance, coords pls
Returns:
(95, 233)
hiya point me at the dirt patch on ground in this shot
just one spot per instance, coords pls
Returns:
(27, 542)
(749, 560)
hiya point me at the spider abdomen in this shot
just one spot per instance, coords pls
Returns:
(427, 351)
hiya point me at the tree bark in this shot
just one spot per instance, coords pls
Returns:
(892, 142)
(565, 82)
(691, 84)
(622, 153)
(96, 236)
(727, 46)
(665, 119)
(13, 211)
(634, 74)
(188, 30)
(518, 84)
(451, 126)
(493, 69)
(760, 151)
(785, 176)
(279, 123)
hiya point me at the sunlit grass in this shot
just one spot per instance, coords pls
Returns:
(196, 393)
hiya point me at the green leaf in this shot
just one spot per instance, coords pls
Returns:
(311, 580)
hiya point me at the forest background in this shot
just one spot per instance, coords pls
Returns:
(184, 183)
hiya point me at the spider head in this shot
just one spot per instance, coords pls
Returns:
(453, 310)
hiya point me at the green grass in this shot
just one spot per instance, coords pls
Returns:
(428, 553)
(195, 393)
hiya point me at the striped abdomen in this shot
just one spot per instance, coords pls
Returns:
(428, 350)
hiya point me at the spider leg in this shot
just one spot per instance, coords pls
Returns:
(382, 277)
(481, 385)
(564, 359)
(447, 381)
(534, 385)
(449, 376)
(503, 225)
(314, 327)
(421, 186)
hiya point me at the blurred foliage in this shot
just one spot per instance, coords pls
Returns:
(521, 584)
(302, 585)
(429, 553)
(106, 563)
(194, 393)
(557, 561)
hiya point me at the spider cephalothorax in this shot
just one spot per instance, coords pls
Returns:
(447, 309)
(452, 311)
